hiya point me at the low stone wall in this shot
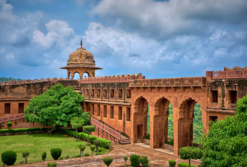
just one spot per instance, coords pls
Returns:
(166, 146)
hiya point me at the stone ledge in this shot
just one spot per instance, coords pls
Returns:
(107, 102)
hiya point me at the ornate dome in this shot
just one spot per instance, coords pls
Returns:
(81, 57)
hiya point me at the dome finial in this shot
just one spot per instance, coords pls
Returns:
(81, 43)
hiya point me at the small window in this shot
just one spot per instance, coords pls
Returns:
(7, 108)
(105, 111)
(214, 96)
(119, 113)
(128, 114)
(112, 93)
(21, 108)
(98, 110)
(98, 93)
(120, 93)
(112, 112)
(212, 119)
(128, 93)
(105, 93)
(233, 96)
(92, 92)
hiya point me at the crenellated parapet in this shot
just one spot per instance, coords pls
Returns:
(170, 82)
(112, 79)
(235, 72)
(19, 82)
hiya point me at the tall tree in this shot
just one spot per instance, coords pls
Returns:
(55, 107)
(226, 142)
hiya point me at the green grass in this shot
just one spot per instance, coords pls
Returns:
(36, 144)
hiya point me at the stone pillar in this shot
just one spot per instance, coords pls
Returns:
(176, 117)
(152, 130)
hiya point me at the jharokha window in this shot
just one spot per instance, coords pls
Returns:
(105, 93)
(112, 93)
(92, 92)
(98, 93)
(128, 93)
(120, 93)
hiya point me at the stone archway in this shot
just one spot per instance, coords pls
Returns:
(185, 123)
(140, 119)
(160, 122)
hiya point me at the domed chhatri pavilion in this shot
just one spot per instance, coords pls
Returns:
(81, 61)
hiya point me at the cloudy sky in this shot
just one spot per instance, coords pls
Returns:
(173, 38)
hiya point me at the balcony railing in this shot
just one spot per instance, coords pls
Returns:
(11, 118)
(227, 74)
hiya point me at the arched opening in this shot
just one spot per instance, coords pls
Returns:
(190, 128)
(161, 122)
(85, 75)
(76, 75)
(141, 111)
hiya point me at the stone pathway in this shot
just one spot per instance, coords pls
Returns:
(157, 157)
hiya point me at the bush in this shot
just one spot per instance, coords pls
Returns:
(102, 150)
(97, 144)
(92, 147)
(82, 148)
(147, 137)
(185, 165)
(60, 158)
(23, 130)
(52, 164)
(9, 157)
(108, 160)
(22, 162)
(87, 155)
(9, 124)
(190, 153)
(43, 156)
(56, 153)
(144, 161)
(66, 157)
(25, 155)
(172, 163)
(135, 161)
(125, 159)
(98, 153)
(171, 142)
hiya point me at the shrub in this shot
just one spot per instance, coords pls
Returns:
(102, 150)
(22, 162)
(185, 165)
(88, 129)
(52, 164)
(92, 147)
(87, 155)
(171, 142)
(172, 163)
(25, 155)
(60, 158)
(147, 137)
(190, 153)
(43, 156)
(98, 153)
(22, 130)
(97, 144)
(9, 157)
(144, 161)
(108, 160)
(92, 138)
(135, 161)
(82, 148)
(9, 124)
(76, 156)
(66, 157)
(56, 153)
(125, 159)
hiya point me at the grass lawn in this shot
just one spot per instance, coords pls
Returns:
(36, 144)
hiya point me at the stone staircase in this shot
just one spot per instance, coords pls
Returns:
(111, 131)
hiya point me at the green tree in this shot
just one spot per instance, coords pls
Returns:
(88, 129)
(76, 123)
(25, 155)
(82, 147)
(226, 142)
(55, 107)
(92, 147)
(190, 153)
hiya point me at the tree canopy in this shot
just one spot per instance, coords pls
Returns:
(57, 106)
(226, 142)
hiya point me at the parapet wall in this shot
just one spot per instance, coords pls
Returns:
(112, 79)
(236, 72)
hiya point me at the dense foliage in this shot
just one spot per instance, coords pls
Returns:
(190, 153)
(197, 123)
(135, 160)
(172, 163)
(144, 161)
(8, 79)
(107, 160)
(9, 157)
(43, 156)
(56, 153)
(57, 106)
(226, 141)
(52, 164)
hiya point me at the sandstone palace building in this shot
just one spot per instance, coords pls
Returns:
(119, 104)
